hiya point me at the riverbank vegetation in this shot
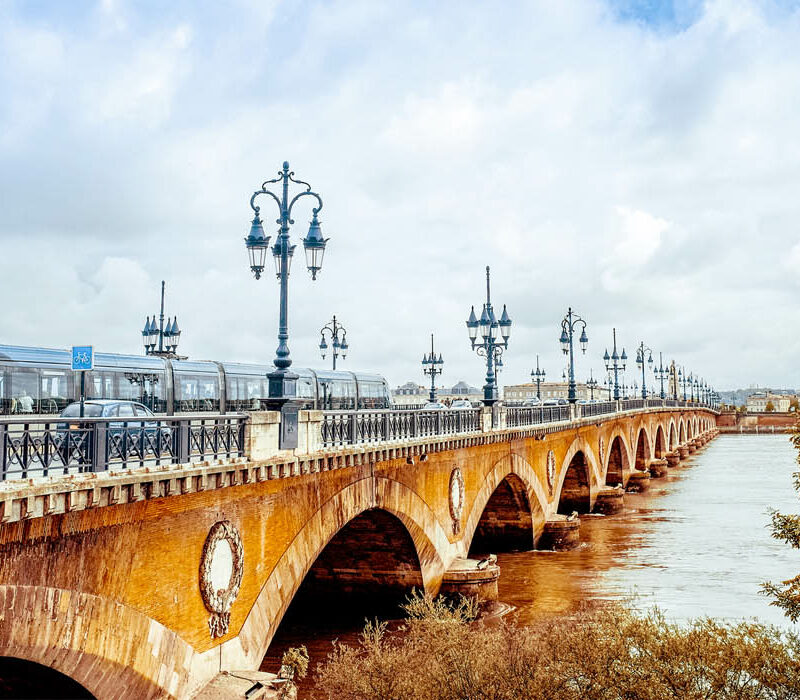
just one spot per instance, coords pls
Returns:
(443, 653)
(786, 527)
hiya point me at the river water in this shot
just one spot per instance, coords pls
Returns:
(696, 544)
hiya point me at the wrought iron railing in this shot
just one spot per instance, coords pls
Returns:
(631, 404)
(352, 427)
(519, 416)
(46, 446)
(597, 409)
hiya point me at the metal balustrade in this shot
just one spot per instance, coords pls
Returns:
(46, 446)
(597, 409)
(520, 416)
(354, 427)
(631, 404)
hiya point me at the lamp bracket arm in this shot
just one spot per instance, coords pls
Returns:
(303, 194)
(255, 208)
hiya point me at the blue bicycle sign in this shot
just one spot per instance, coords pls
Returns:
(82, 358)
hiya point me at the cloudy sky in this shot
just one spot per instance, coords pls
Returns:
(639, 161)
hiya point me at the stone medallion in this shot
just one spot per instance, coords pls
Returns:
(221, 568)
(551, 470)
(456, 498)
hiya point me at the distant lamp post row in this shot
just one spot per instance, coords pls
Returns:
(282, 382)
(538, 375)
(494, 335)
(432, 366)
(592, 383)
(338, 337)
(158, 340)
(661, 374)
(644, 359)
(569, 324)
(615, 363)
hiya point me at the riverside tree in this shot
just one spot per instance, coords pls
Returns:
(786, 527)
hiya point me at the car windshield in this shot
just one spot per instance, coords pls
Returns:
(90, 410)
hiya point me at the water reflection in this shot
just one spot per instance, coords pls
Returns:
(695, 544)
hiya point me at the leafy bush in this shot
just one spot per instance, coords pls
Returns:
(440, 654)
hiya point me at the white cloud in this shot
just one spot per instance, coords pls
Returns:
(646, 178)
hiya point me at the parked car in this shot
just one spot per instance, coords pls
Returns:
(134, 419)
(535, 401)
(434, 406)
(461, 404)
(550, 402)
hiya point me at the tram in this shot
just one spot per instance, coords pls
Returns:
(40, 381)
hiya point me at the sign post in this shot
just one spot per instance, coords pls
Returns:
(82, 361)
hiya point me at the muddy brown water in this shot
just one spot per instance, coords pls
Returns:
(696, 544)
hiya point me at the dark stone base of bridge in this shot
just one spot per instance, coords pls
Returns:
(610, 501)
(691, 447)
(683, 452)
(658, 468)
(673, 459)
(638, 481)
(472, 578)
(561, 533)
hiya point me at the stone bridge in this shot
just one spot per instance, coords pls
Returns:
(147, 583)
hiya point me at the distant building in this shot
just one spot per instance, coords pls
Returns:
(410, 394)
(460, 390)
(550, 390)
(757, 403)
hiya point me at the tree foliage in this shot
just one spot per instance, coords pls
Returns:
(440, 654)
(786, 527)
(770, 407)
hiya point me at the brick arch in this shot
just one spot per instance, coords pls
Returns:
(682, 431)
(100, 658)
(512, 464)
(579, 444)
(429, 538)
(660, 442)
(642, 456)
(617, 432)
(672, 434)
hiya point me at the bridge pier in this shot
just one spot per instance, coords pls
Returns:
(691, 447)
(471, 578)
(561, 533)
(683, 451)
(658, 468)
(673, 459)
(610, 501)
(638, 481)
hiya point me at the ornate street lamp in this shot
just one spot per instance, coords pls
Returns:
(644, 358)
(592, 384)
(661, 373)
(159, 340)
(489, 346)
(615, 363)
(682, 380)
(432, 367)
(537, 375)
(282, 382)
(338, 337)
(609, 384)
(568, 325)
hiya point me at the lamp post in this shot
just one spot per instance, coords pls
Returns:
(537, 375)
(644, 357)
(338, 345)
(609, 385)
(568, 325)
(432, 366)
(283, 382)
(661, 373)
(489, 346)
(682, 380)
(592, 384)
(157, 335)
(615, 363)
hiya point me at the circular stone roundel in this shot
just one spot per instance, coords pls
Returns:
(221, 569)
(551, 469)
(456, 498)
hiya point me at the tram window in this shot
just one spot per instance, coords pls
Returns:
(305, 388)
(5, 402)
(25, 391)
(371, 395)
(245, 393)
(56, 391)
(196, 392)
(338, 394)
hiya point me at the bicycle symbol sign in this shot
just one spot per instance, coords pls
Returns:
(82, 357)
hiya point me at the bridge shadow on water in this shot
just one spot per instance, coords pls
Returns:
(27, 680)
